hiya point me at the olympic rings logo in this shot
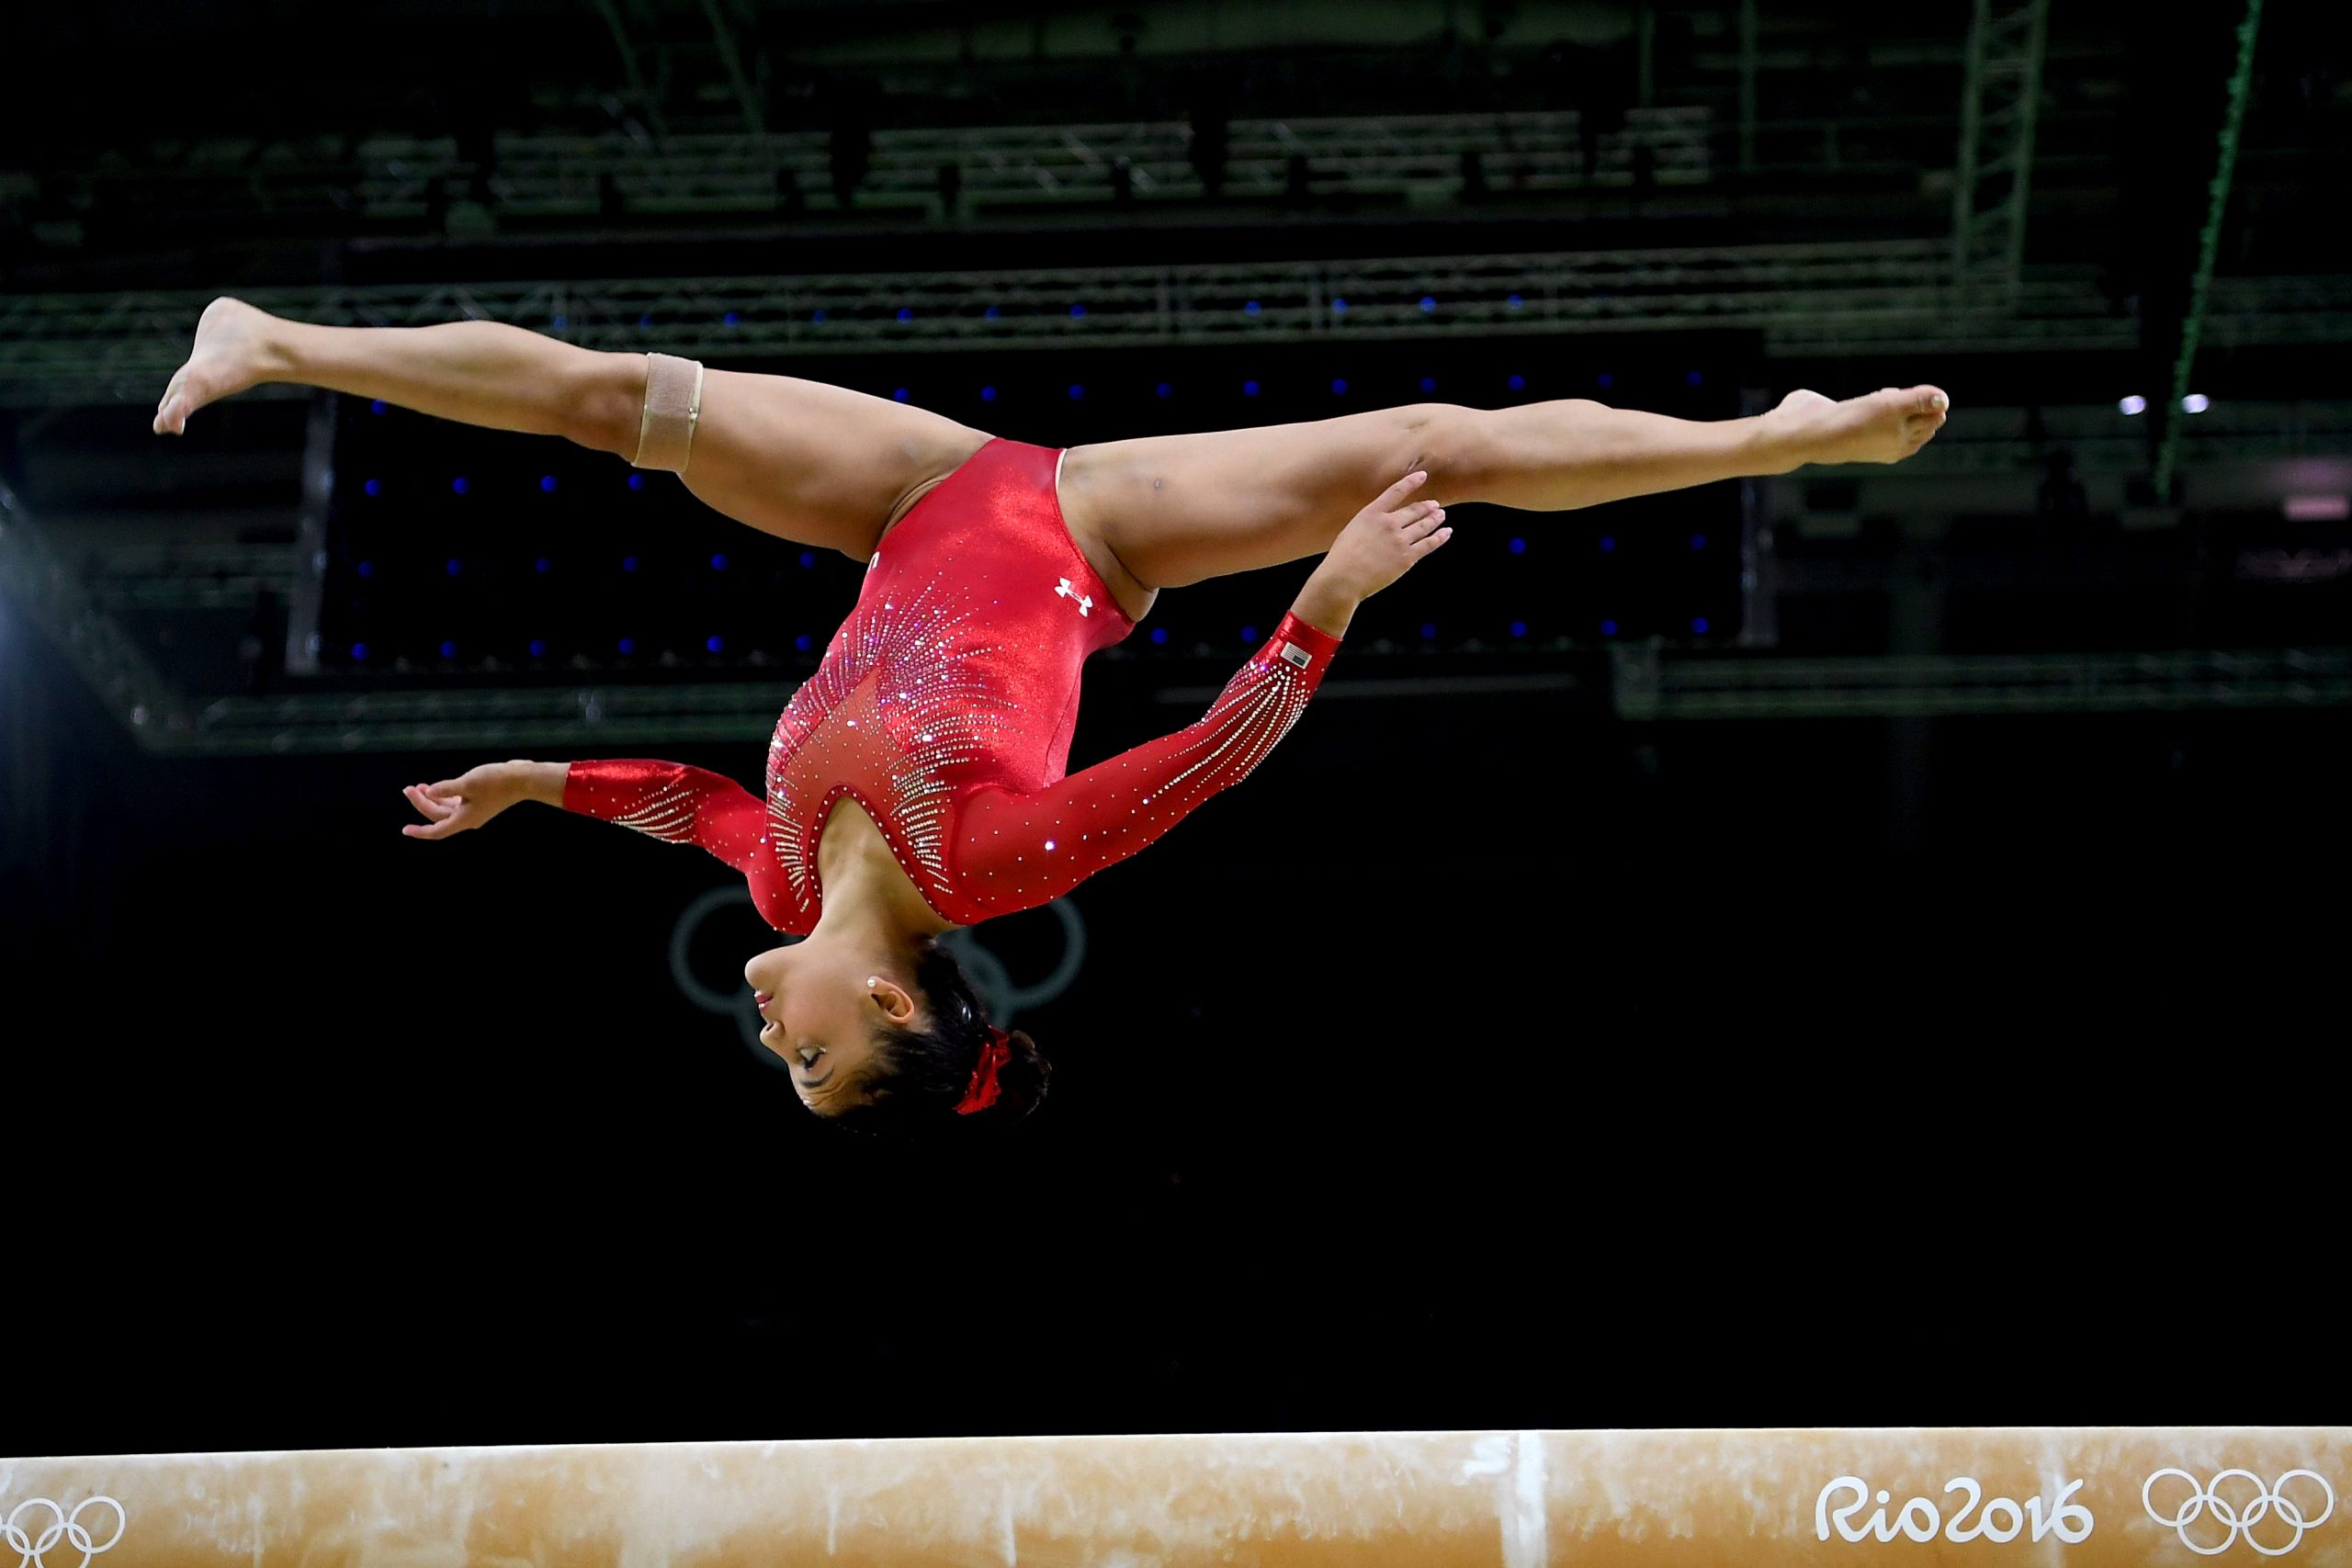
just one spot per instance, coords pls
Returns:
(2239, 1518)
(992, 978)
(67, 1528)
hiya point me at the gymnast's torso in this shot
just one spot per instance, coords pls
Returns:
(958, 668)
(943, 708)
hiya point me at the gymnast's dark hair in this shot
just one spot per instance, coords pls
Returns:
(916, 1077)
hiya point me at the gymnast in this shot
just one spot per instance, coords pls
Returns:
(915, 783)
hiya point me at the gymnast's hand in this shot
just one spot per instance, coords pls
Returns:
(1379, 545)
(473, 797)
(1381, 542)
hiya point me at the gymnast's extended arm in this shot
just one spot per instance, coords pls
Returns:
(665, 800)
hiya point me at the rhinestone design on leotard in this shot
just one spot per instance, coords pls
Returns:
(1255, 710)
(666, 813)
(910, 670)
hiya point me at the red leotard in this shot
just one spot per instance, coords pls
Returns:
(945, 707)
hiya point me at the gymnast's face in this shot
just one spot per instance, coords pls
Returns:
(823, 1000)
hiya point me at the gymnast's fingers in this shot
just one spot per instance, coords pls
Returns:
(1424, 546)
(1393, 498)
(1422, 522)
(426, 806)
(440, 830)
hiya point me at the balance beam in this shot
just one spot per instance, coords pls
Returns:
(2085, 1498)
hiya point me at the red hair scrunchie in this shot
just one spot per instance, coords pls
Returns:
(983, 1090)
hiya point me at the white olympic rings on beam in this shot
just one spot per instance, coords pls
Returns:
(2268, 1498)
(29, 1550)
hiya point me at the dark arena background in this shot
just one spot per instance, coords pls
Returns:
(1861, 946)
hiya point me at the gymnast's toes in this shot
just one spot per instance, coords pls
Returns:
(1916, 414)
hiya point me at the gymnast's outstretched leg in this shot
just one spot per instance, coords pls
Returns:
(1176, 509)
(817, 464)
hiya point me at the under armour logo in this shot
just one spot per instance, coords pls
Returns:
(1085, 602)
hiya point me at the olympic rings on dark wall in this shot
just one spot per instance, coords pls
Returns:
(1006, 997)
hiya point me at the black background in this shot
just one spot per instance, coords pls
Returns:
(1540, 1071)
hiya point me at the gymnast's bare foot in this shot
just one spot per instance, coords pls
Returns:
(1885, 426)
(234, 349)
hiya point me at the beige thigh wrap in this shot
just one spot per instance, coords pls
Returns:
(665, 431)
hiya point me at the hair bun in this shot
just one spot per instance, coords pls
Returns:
(1021, 1082)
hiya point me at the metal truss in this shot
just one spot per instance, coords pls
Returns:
(1806, 300)
(175, 576)
(47, 592)
(2062, 312)
(1999, 101)
(1645, 684)
(2209, 241)
(1649, 684)
(438, 720)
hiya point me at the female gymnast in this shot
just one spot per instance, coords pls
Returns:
(915, 783)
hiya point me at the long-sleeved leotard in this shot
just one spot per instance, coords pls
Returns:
(945, 707)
